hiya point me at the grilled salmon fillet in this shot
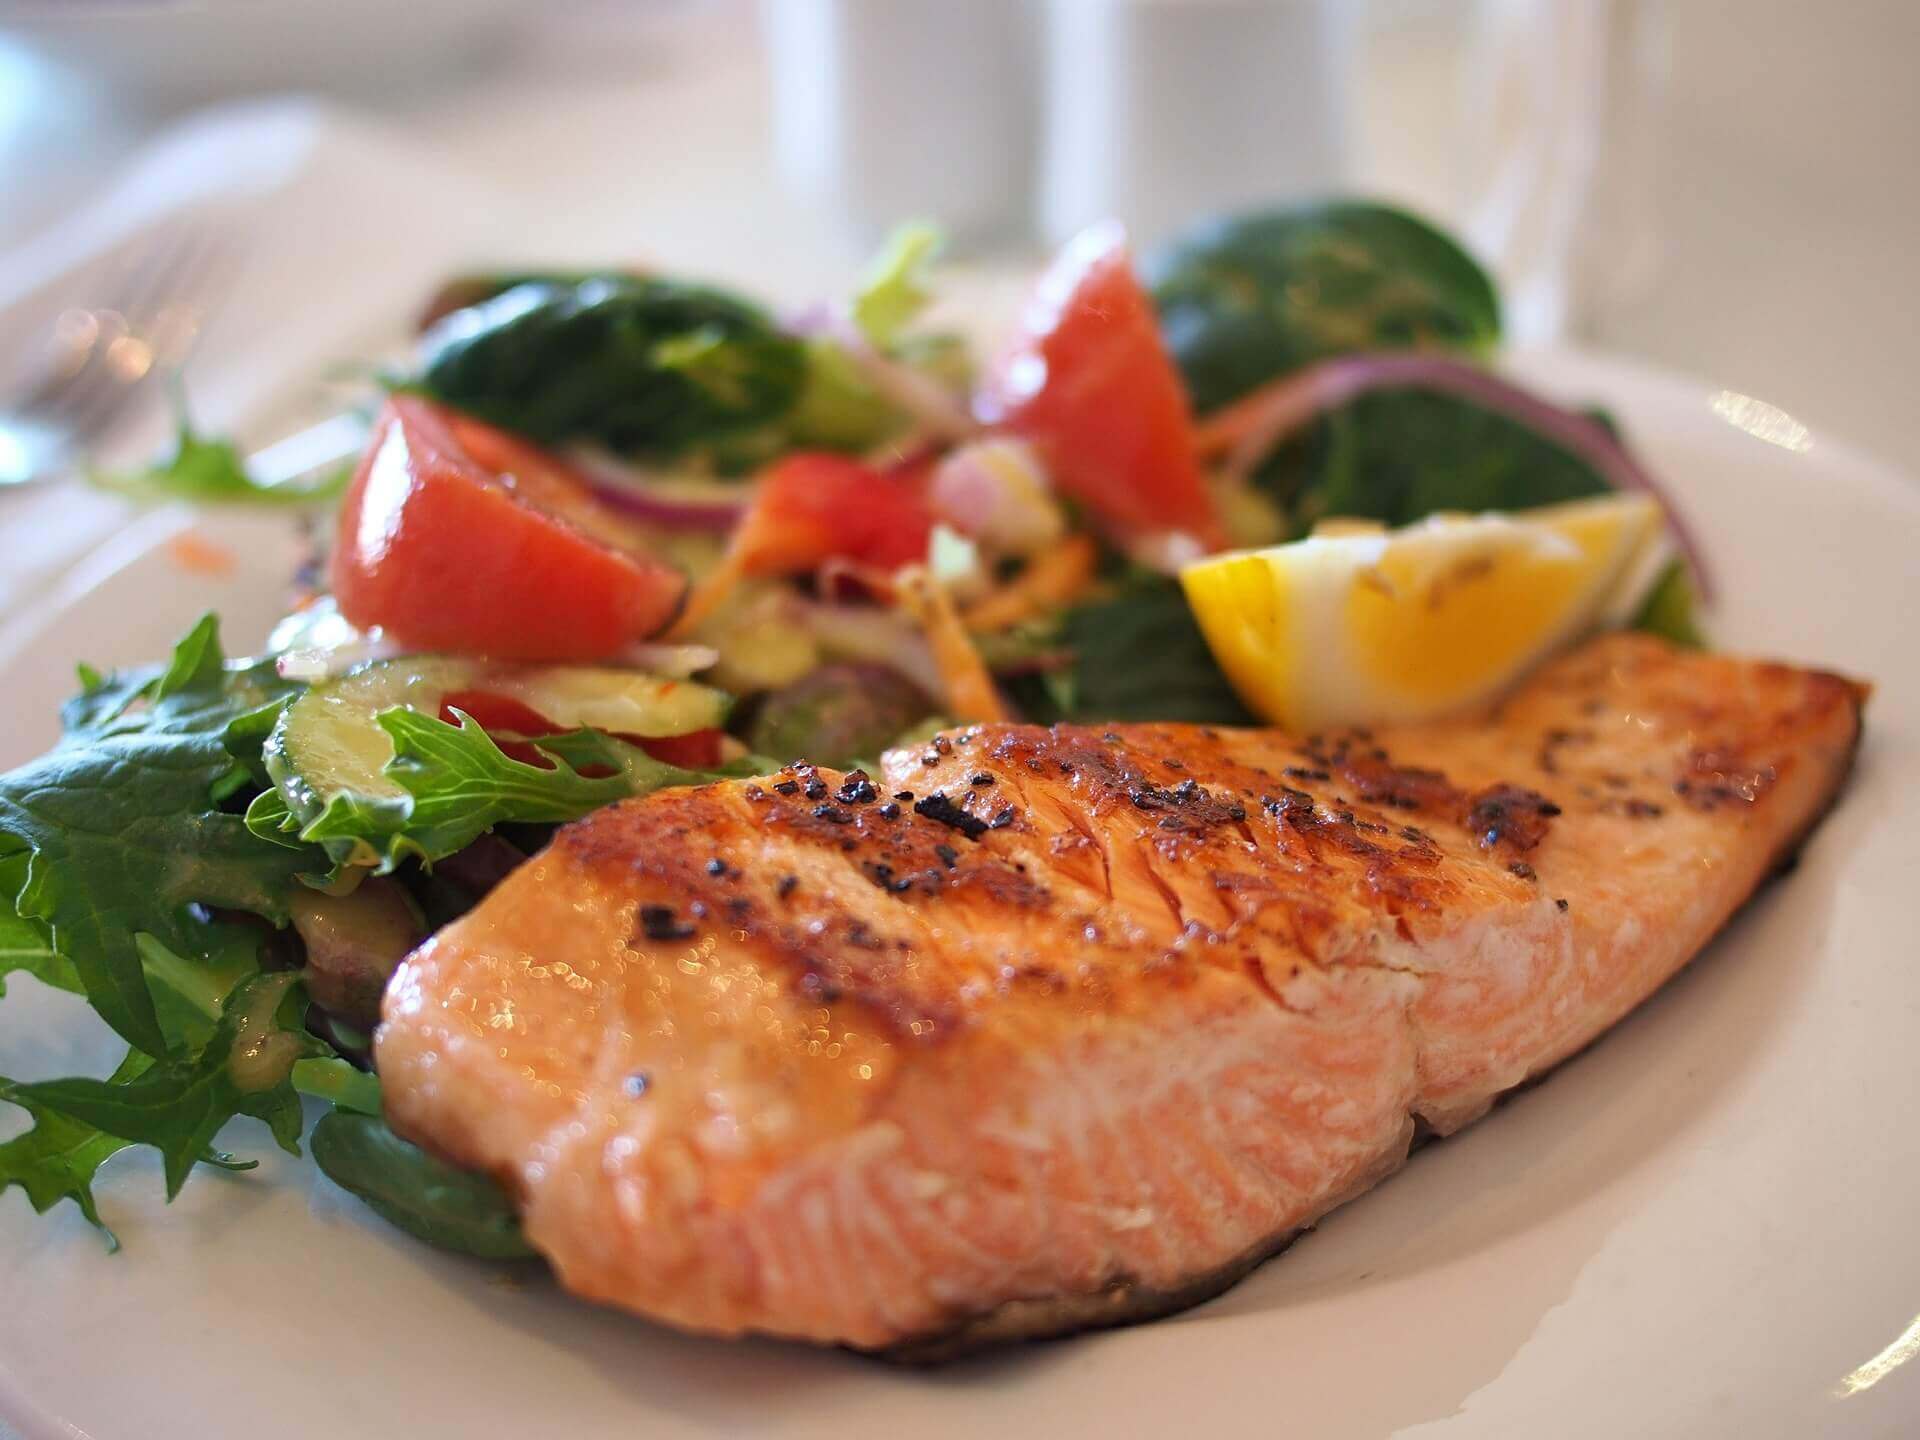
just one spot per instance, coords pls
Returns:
(1049, 1028)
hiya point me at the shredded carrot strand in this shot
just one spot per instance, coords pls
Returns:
(706, 596)
(971, 695)
(1055, 577)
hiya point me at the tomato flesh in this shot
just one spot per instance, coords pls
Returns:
(699, 750)
(815, 507)
(1089, 383)
(457, 537)
(505, 718)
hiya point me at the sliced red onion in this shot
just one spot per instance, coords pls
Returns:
(808, 320)
(656, 502)
(934, 408)
(996, 491)
(1248, 430)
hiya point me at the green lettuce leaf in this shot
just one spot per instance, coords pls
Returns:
(207, 471)
(57, 1159)
(178, 1105)
(838, 408)
(123, 827)
(458, 785)
(1136, 654)
(461, 784)
(895, 289)
(27, 945)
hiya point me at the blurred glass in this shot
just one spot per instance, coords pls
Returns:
(1526, 126)
(885, 109)
(1531, 128)
(1160, 111)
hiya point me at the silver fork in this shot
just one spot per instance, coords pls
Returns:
(101, 360)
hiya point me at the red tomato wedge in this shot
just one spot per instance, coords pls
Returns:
(699, 750)
(815, 507)
(1089, 383)
(457, 537)
(504, 716)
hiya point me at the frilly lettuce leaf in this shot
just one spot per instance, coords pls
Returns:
(178, 1105)
(207, 471)
(459, 785)
(122, 825)
(895, 289)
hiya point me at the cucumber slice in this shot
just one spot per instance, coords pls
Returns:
(328, 745)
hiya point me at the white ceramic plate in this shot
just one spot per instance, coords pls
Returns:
(1704, 1226)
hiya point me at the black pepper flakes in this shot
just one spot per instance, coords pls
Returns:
(1561, 904)
(856, 789)
(938, 808)
(1523, 870)
(980, 777)
(832, 814)
(815, 788)
(882, 874)
(787, 787)
(659, 922)
(636, 1084)
(1002, 820)
(949, 856)
(903, 795)
(888, 811)
(786, 886)
(716, 866)
(754, 792)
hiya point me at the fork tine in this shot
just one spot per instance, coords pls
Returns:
(62, 396)
(176, 274)
(179, 274)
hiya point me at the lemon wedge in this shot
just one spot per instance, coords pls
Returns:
(1358, 624)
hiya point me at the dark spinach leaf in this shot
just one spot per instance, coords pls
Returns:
(431, 1200)
(1245, 298)
(1134, 655)
(645, 367)
(1400, 455)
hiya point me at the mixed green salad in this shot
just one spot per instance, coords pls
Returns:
(617, 531)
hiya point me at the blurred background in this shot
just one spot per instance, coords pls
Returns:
(1723, 187)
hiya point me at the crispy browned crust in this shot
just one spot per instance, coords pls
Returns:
(1122, 1301)
(1056, 1317)
(1010, 876)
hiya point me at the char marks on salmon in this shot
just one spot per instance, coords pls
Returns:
(1044, 1028)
